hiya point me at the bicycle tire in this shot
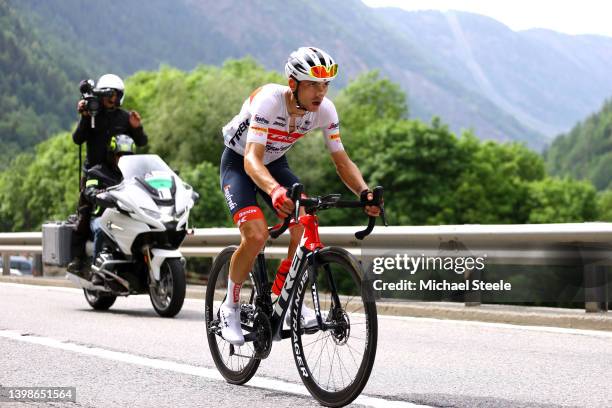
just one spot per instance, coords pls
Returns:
(234, 374)
(312, 370)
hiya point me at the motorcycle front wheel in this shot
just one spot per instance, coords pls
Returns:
(168, 295)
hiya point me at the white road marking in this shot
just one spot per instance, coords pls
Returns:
(209, 373)
(545, 329)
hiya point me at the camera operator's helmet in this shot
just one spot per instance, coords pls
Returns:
(122, 144)
(112, 81)
(311, 64)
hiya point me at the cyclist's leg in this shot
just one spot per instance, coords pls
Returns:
(279, 169)
(239, 191)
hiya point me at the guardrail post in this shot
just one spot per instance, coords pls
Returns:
(37, 265)
(595, 288)
(473, 297)
(6, 264)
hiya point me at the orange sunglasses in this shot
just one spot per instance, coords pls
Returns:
(320, 71)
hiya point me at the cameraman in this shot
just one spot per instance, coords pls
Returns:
(109, 120)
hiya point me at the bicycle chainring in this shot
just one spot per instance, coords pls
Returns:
(263, 344)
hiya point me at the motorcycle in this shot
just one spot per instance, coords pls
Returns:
(145, 220)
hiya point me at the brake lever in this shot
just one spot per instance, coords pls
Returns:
(377, 201)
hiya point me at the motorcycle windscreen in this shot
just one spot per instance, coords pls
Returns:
(156, 173)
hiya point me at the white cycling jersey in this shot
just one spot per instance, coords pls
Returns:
(264, 119)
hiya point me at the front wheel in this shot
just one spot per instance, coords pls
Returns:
(99, 300)
(168, 295)
(335, 364)
(237, 364)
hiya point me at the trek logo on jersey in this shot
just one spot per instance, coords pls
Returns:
(241, 129)
(334, 126)
(278, 123)
(228, 197)
(262, 120)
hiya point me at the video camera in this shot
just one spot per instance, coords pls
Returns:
(92, 97)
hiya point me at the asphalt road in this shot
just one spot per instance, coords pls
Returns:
(130, 357)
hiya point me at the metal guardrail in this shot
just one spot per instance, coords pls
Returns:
(586, 245)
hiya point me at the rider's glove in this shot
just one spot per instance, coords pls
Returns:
(278, 196)
(363, 196)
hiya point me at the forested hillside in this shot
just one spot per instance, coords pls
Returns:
(37, 98)
(586, 151)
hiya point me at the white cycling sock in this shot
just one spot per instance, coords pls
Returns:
(233, 293)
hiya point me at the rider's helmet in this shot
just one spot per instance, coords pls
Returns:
(311, 64)
(112, 82)
(121, 145)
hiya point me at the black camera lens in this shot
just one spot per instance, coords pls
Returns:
(93, 105)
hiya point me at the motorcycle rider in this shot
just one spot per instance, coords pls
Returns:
(98, 179)
(111, 120)
(271, 120)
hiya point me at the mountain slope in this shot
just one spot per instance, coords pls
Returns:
(586, 151)
(455, 66)
(545, 79)
(36, 97)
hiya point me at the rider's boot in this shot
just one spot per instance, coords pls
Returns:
(79, 266)
(229, 314)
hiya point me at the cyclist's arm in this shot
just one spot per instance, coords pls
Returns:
(351, 176)
(255, 168)
(348, 172)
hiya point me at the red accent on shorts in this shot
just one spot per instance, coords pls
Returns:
(248, 213)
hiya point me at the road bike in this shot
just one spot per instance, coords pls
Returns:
(335, 357)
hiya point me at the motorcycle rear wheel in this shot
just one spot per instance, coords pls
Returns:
(99, 300)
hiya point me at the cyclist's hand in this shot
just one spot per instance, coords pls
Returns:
(371, 210)
(283, 204)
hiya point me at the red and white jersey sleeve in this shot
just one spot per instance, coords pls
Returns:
(329, 123)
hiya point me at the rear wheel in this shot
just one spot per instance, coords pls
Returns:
(99, 300)
(335, 364)
(237, 364)
(168, 295)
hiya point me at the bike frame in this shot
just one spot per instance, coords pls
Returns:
(310, 244)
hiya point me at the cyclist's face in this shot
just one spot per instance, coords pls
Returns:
(311, 94)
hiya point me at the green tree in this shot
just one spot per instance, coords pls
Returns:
(40, 187)
(210, 210)
(561, 200)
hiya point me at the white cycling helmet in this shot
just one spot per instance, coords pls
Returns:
(112, 81)
(311, 64)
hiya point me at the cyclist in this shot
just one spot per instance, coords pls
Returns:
(271, 120)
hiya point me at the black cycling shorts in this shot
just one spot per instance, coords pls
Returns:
(239, 189)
